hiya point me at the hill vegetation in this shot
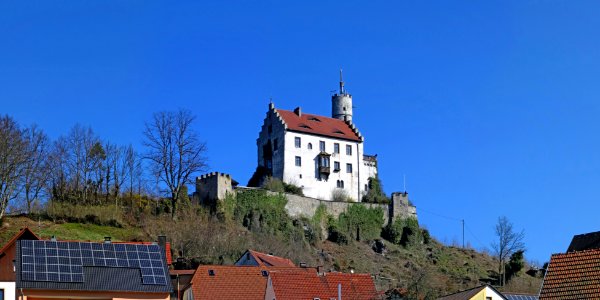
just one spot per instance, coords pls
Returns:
(402, 257)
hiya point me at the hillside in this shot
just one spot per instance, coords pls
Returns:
(429, 269)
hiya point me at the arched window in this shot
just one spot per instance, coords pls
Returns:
(309, 146)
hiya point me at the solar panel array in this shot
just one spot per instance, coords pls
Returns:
(64, 261)
(521, 297)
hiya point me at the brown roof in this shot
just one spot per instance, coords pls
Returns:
(24, 233)
(268, 260)
(319, 125)
(574, 275)
(290, 285)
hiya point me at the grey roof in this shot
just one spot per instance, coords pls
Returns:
(95, 278)
(585, 241)
(520, 297)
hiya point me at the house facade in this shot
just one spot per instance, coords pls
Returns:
(323, 155)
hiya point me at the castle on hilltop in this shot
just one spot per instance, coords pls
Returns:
(320, 154)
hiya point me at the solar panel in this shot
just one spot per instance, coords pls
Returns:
(64, 261)
(520, 297)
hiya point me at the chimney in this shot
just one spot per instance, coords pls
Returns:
(107, 239)
(162, 242)
(320, 271)
(303, 265)
(298, 111)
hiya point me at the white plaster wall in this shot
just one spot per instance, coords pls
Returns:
(310, 180)
(9, 288)
(490, 293)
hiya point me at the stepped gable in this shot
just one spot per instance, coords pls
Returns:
(319, 125)
(573, 275)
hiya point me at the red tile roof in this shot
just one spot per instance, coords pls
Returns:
(319, 125)
(267, 260)
(290, 285)
(229, 282)
(573, 275)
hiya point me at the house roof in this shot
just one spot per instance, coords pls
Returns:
(319, 125)
(515, 296)
(23, 234)
(573, 275)
(85, 266)
(169, 257)
(310, 285)
(585, 241)
(470, 293)
(229, 282)
(267, 260)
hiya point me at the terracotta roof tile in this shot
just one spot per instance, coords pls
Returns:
(290, 285)
(574, 275)
(319, 125)
(268, 260)
(229, 282)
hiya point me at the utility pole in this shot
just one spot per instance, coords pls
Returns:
(463, 232)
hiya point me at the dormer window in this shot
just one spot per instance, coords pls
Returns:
(304, 126)
(337, 131)
(314, 119)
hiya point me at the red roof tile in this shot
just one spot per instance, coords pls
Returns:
(290, 285)
(229, 282)
(574, 275)
(268, 260)
(319, 125)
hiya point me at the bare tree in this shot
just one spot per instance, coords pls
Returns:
(174, 150)
(35, 171)
(508, 243)
(12, 158)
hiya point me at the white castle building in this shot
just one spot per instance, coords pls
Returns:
(318, 153)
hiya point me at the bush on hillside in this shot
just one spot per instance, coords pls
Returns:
(405, 232)
(375, 193)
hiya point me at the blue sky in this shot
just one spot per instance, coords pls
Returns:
(489, 108)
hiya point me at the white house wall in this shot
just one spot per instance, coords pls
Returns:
(307, 175)
(9, 288)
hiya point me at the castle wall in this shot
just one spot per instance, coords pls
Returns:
(212, 187)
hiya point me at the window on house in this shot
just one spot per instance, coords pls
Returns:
(340, 184)
(336, 148)
(1, 294)
(348, 168)
(309, 146)
(298, 161)
(297, 142)
(270, 129)
(322, 146)
(348, 150)
(336, 166)
(275, 147)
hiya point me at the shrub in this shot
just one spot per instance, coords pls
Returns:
(274, 185)
(340, 195)
(360, 222)
(405, 232)
(375, 193)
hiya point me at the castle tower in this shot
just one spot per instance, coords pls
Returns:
(341, 103)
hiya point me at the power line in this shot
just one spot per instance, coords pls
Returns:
(440, 215)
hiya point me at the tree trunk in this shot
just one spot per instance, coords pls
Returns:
(173, 205)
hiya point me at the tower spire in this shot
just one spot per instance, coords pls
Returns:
(341, 83)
